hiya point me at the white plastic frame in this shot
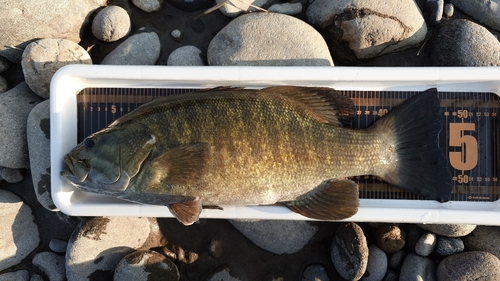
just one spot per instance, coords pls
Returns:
(70, 80)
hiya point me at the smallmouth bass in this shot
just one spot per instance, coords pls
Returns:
(285, 145)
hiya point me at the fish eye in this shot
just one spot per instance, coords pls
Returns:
(89, 143)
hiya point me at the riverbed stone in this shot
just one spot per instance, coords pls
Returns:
(19, 275)
(51, 264)
(146, 265)
(416, 267)
(139, 49)
(377, 264)
(148, 5)
(484, 238)
(448, 246)
(185, 56)
(234, 8)
(426, 244)
(485, 11)
(473, 265)
(449, 230)
(58, 246)
(286, 8)
(4, 85)
(111, 24)
(349, 251)
(390, 238)
(12, 175)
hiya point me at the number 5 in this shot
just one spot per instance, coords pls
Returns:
(467, 158)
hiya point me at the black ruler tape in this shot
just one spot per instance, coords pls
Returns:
(469, 138)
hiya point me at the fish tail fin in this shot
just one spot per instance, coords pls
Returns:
(420, 165)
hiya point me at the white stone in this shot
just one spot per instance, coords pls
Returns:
(148, 5)
(286, 8)
(51, 264)
(111, 24)
(234, 8)
(185, 56)
(139, 49)
(485, 11)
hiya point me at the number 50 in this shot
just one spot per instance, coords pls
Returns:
(467, 158)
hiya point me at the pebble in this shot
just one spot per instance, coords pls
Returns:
(111, 24)
(146, 265)
(148, 5)
(17, 228)
(448, 246)
(365, 29)
(391, 275)
(58, 246)
(215, 248)
(279, 237)
(95, 249)
(315, 272)
(485, 11)
(4, 85)
(38, 135)
(15, 106)
(234, 8)
(268, 39)
(191, 5)
(396, 259)
(177, 35)
(223, 275)
(413, 233)
(139, 49)
(51, 264)
(185, 56)
(484, 238)
(449, 10)
(377, 264)
(426, 244)
(416, 267)
(4, 64)
(449, 230)
(19, 275)
(434, 11)
(42, 58)
(24, 20)
(475, 265)
(349, 251)
(286, 8)
(12, 175)
(36, 277)
(390, 238)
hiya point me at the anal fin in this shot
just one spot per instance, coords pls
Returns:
(332, 200)
(186, 212)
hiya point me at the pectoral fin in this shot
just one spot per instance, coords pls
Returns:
(332, 200)
(186, 212)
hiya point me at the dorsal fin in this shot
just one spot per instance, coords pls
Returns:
(325, 104)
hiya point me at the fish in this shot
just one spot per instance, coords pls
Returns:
(283, 145)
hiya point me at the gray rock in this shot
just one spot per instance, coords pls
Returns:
(416, 267)
(315, 272)
(36, 277)
(234, 8)
(148, 5)
(111, 24)
(485, 11)
(96, 248)
(377, 264)
(279, 236)
(17, 228)
(4, 64)
(286, 8)
(448, 246)
(12, 175)
(4, 85)
(177, 35)
(223, 275)
(396, 259)
(139, 49)
(484, 238)
(426, 244)
(15, 106)
(51, 264)
(449, 230)
(146, 265)
(23, 21)
(464, 43)
(191, 5)
(268, 40)
(391, 275)
(473, 265)
(390, 238)
(434, 11)
(349, 251)
(413, 233)
(449, 10)
(361, 29)
(39, 153)
(58, 246)
(42, 58)
(20, 275)
(185, 56)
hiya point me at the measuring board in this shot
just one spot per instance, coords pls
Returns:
(469, 137)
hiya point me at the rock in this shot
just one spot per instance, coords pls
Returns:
(215, 249)
(391, 275)
(139, 49)
(4, 64)
(38, 127)
(448, 246)
(416, 267)
(95, 249)
(223, 275)
(15, 106)
(457, 43)
(12, 175)
(361, 29)
(449, 9)
(17, 228)
(20, 275)
(36, 277)
(484, 238)
(434, 11)
(315, 272)
(146, 265)
(413, 233)
(278, 236)
(185, 56)
(349, 251)
(191, 5)
(449, 230)
(377, 264)
(268, 40)
(42, 58)
(390, 238)
(396, 259)
(177, 35)
(51, 264)
(485, 11)
(475, 265)
(234, 8)
(286, 8)
(426, 244)
(111, 24)
(58, 246)
(4, 85)
(23, 21)
(148, 5)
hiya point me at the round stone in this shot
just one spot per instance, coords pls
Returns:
(485, 11)
(286, 8)
(58, 246)
(12, 175)
(51, 264)
(139, 49)
(474, 265)
(234, 8)
(377, 264)
(185, 56)
(349, 251)
(396, 259)
(20, 275)
(4, 85)
(146, 265)
(449, 230)
(484, 238)
(315, 272)
(390, 238)
(434, 11)
(148, 5)
(426, 244)
(416, 267)
(111, 24)
(42, 58)
(448, 246)
(449, 10)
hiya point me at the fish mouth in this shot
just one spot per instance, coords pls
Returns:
(79, 168)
